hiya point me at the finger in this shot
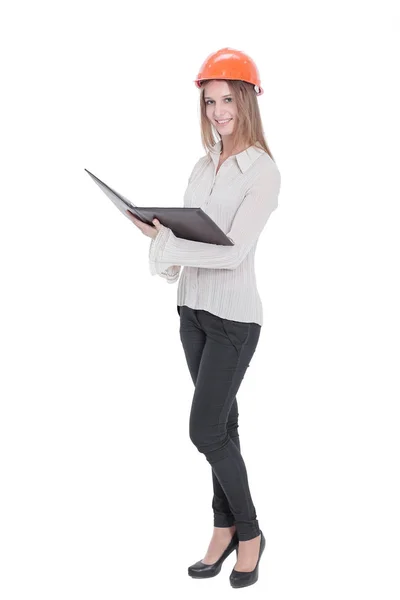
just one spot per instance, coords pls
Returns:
(134, 220)
(131, 215)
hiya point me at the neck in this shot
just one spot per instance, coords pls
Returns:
(228, 150)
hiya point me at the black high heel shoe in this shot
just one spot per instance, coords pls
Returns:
(242, 578)
(200, 570)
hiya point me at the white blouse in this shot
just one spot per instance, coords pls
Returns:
(240, 199)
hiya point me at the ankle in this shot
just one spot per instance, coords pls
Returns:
(224, 531)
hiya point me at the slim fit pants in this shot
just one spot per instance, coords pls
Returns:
(218, 352)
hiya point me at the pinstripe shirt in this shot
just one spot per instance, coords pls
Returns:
(240, 198)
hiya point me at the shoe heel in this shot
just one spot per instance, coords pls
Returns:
(245, 578)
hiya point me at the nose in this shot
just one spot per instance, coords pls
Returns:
(220, 112)
(219, 116)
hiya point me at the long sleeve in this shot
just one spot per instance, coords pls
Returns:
(171, 273)
(259, 202)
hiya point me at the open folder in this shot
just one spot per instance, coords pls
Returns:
(187, 223)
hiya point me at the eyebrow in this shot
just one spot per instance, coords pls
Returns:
(208, 97)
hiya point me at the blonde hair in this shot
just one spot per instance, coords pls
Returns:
(248, 130)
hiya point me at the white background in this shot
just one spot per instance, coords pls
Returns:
(102, 490)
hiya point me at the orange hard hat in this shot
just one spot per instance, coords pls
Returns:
(228, 63)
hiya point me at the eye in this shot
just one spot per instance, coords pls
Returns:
(207, 101)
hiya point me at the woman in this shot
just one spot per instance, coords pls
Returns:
(237, 184)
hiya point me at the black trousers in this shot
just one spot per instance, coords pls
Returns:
(218, 352)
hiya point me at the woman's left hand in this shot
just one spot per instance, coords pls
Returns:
(146, 229)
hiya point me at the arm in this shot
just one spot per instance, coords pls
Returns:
(171, 273)
(250, 219)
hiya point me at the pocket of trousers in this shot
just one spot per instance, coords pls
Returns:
(236, 332)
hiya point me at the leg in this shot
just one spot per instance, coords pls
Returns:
(223, 516)
(225, 357)
(193, 340)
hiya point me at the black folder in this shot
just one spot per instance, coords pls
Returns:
(187, 223)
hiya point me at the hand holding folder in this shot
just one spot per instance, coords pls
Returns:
(144, 228)
(187, 223)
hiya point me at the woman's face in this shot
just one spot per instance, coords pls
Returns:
(220, 105)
